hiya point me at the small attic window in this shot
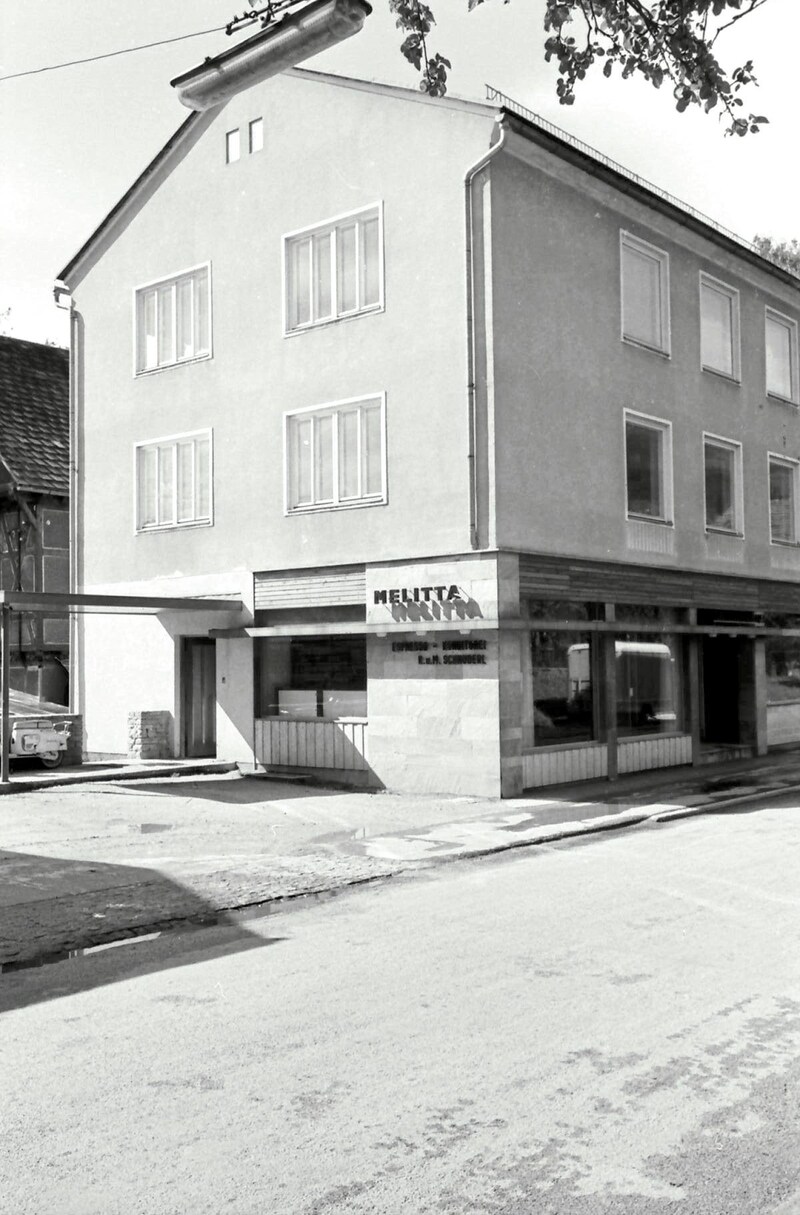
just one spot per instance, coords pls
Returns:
(256, 133)
(232, 146)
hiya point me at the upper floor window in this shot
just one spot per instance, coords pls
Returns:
(334, 270)
(722, 460)
(173, 320)
(336, 455)
(645, 293)
(648, 467)
(255, 135)
(783, 499)
(233, 146)
(781, 348)
(173, 481)
(719, 327)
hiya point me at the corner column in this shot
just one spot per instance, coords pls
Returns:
(694, 642)
(5, 679)
(609, 670)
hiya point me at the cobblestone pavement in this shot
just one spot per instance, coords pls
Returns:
(87, 864)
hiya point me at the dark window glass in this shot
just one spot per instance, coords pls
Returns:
(644, 465)
(719, 473)
(781, 502)
(562, 688)
(783, 669)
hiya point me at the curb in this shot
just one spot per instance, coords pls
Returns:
(221, 916)
(115, 774)
(724, 802)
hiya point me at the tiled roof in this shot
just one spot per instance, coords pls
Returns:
(34, 415)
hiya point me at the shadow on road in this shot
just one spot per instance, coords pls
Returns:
(135, 959)
(250, 790)
(52, 910)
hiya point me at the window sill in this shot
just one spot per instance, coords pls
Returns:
(325, 507)
(660, 350)
(730, 377)
(148, 371)
(335, 320)
(174, 527)
(634, 518)
(785, 543)
(724, 531)
(780, 400)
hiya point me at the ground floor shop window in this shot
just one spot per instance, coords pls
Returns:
(783, 669)
(568, 683)
(300, 677)
(649, 684)
(562, 680)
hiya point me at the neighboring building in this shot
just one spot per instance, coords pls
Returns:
(498, 444)
(34, 507)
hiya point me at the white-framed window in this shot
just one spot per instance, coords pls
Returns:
(783, 499)
(780, 340)
(644, 271)
(173, 320)
(334, 270)
(719, 328)
(335, 455)
(173, 478)
(648, 467)
(233, 146)
(255, 135)
(722, 482)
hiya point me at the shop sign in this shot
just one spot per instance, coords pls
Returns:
(444, 653)
(445, 601)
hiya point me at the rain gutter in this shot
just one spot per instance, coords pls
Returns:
(282, 44)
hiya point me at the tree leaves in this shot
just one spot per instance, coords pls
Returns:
(785, 253)
(659, 40)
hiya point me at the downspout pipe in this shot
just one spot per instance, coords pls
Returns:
(64, 299)
(469, 178)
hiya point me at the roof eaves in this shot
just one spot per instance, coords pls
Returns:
(122, 211)
(589, 159)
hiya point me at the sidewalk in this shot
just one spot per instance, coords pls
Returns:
(86, 864)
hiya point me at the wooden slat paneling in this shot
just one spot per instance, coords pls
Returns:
(548, 577)
(310, 588)
(305, 743)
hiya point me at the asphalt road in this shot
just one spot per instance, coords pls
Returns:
(611, 1025)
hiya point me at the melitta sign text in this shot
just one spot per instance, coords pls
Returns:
(443, 601)
(420, 594)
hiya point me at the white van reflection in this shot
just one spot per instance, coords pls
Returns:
(645, 683)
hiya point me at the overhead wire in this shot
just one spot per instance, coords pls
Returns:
(146, 46)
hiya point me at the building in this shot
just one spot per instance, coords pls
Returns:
(34, 508)
(497, 443)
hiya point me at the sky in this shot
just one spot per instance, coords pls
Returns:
(73, 140)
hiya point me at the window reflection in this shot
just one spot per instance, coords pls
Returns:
(562, 688)
(648, 679)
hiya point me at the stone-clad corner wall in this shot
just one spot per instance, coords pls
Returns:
(445, 698)
(150, 734)
(434, 726)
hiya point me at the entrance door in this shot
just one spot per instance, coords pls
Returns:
(721, 689)
(199, 694)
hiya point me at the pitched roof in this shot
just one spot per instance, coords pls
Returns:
(34, 415)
